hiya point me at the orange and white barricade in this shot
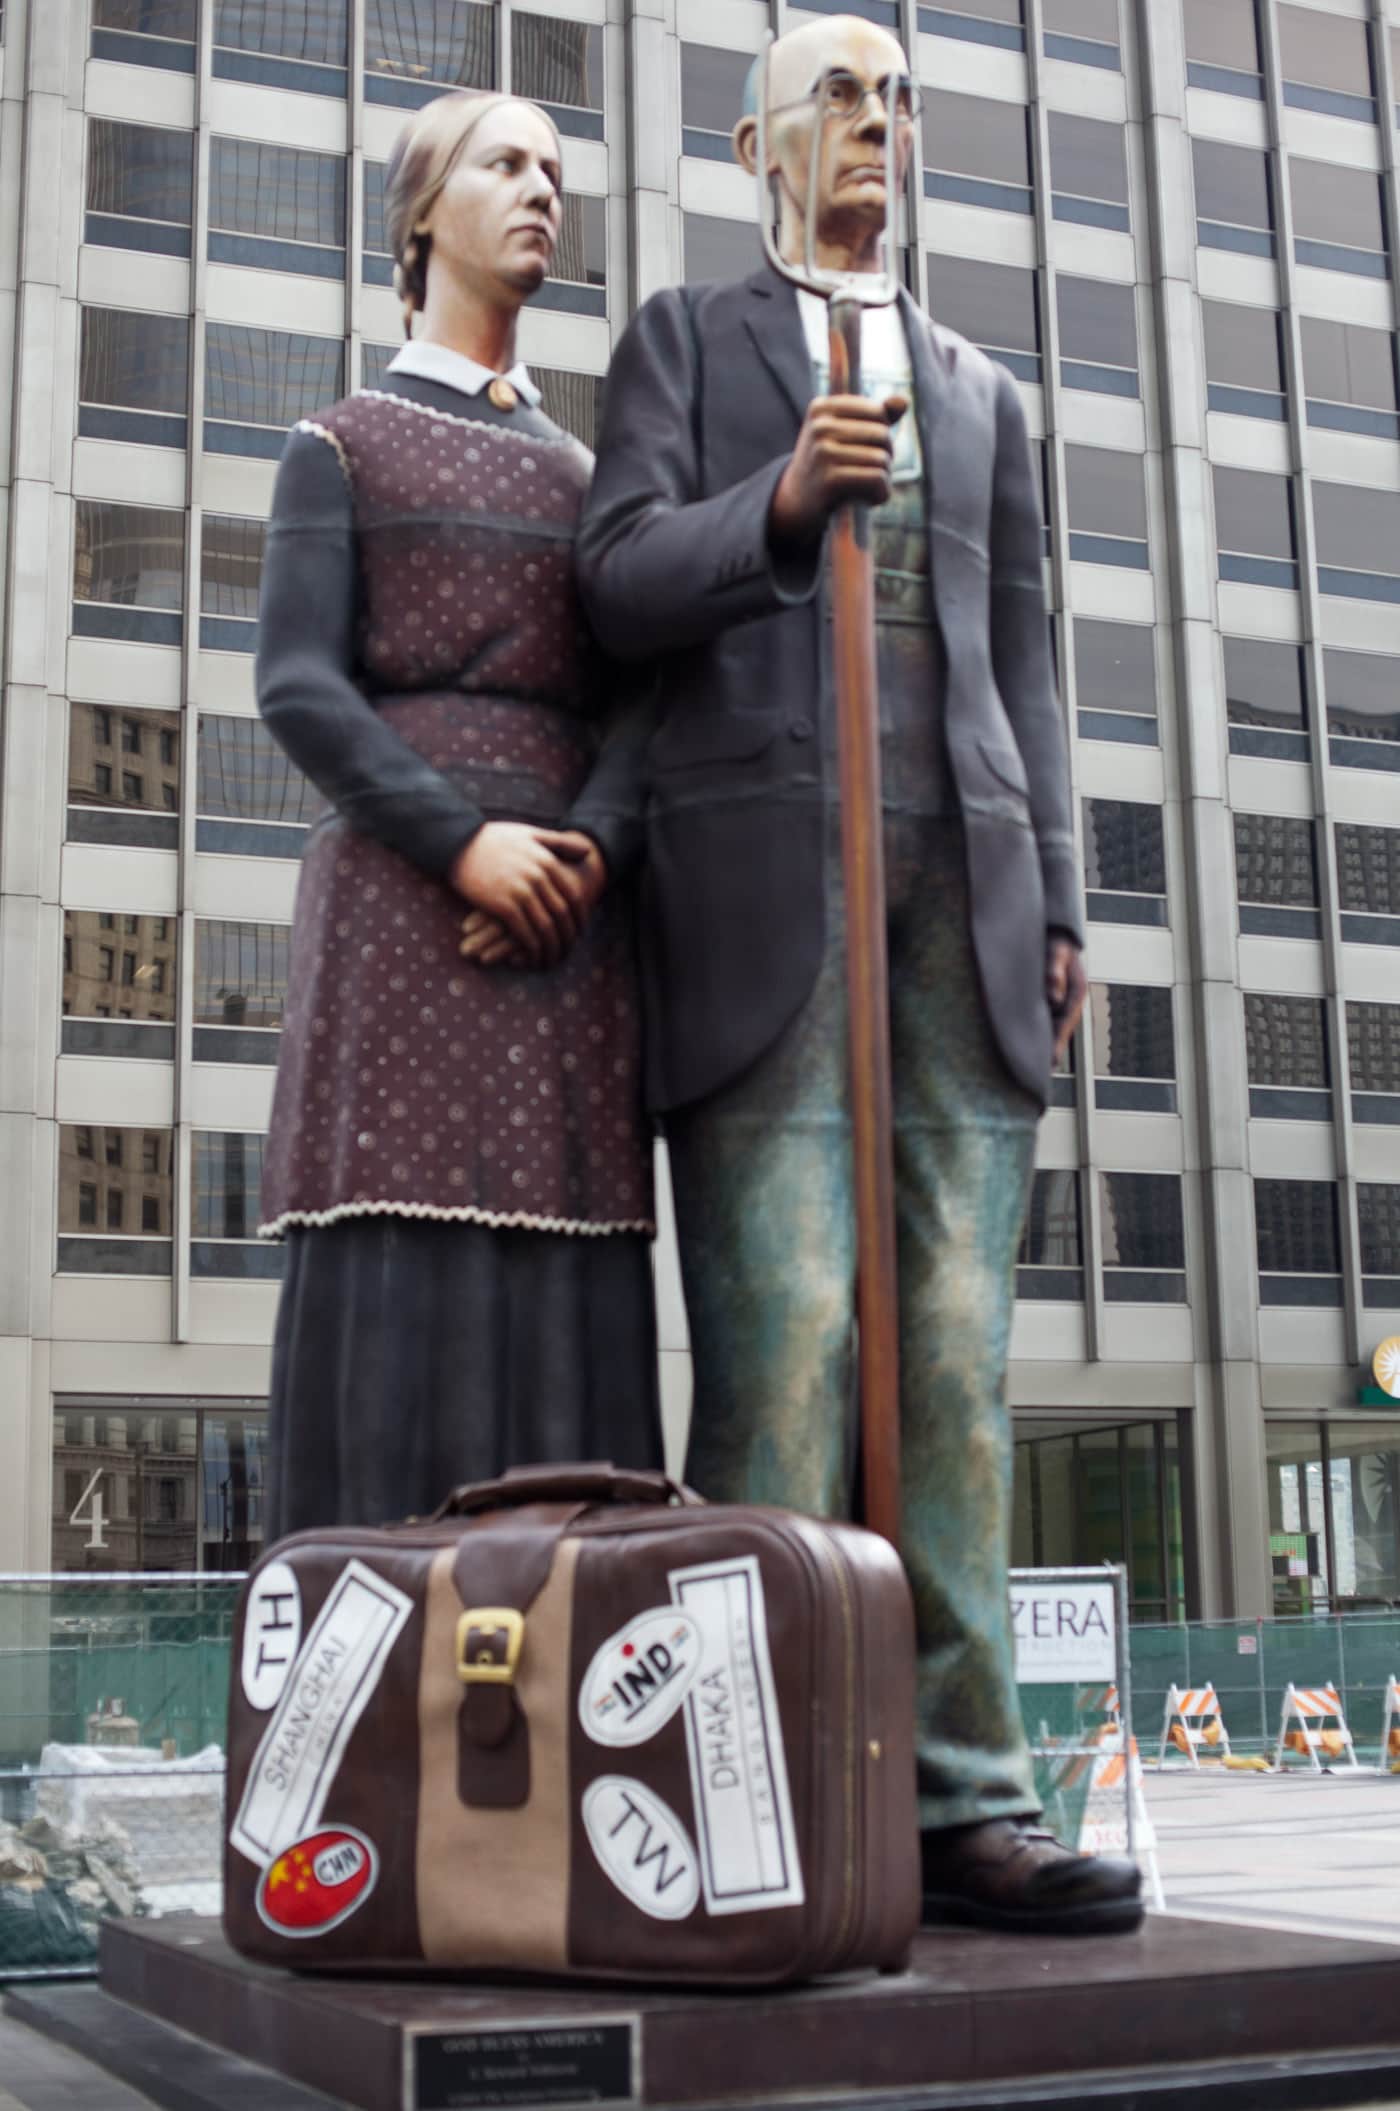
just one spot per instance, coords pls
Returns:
(1099, 1700)
(1190, 1719)
(1389, 1755)
(1115, 1782)
(1312, 1722)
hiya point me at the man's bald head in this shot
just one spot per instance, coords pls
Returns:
(797, 61)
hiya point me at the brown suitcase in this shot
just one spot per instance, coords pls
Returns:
(579, 1723)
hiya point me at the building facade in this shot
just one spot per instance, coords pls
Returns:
(1176, 222)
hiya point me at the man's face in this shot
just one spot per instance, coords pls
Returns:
(858, 63)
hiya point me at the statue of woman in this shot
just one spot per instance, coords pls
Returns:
(458, 1159)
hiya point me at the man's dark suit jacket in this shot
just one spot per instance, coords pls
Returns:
(704, 400)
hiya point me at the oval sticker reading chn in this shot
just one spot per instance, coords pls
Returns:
(315, 1885)
(639, 1677)
(642, 1846)
(271, 1634)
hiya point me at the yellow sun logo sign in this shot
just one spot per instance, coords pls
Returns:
(1385, 1365)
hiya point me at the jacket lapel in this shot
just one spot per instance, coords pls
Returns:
(775, 325)
(931, 386)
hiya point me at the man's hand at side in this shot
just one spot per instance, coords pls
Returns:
(844, 453)
(1065, 987)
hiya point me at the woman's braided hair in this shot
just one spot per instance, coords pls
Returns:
(423, 158)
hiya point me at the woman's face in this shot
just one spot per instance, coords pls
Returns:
(495, 222)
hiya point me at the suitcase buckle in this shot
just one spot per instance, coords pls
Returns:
(489, 1640)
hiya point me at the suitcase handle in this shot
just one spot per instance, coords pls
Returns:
(595, 1483)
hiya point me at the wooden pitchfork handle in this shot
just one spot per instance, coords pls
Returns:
(867, 972)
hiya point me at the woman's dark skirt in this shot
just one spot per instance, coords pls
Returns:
(413, 1355)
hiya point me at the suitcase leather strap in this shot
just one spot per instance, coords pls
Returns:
(502, 1565)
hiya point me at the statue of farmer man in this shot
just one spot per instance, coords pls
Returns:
(722, 460)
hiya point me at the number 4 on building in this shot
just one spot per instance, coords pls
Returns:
(92, 1495)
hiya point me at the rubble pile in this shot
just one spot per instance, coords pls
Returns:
(56, 1882)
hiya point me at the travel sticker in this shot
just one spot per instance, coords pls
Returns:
(327, 1691)
(639, 1677)
(271, 1634)
(642, 1845)
(734, 1740)
(317, 1884)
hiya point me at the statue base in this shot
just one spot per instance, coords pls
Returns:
(1184, 2012)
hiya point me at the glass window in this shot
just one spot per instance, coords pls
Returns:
(373, 234)
(1113, 667)
(1106, 492)
(962, 18)
(1142, 1220)
(1264, 684)
(1346, 364)
(1368, 869)
(1364, 1479)
(560, 64)
(1363, 694)
(374, 365)
(1222, 33)
(712, 98)
(129, 556)
(1275, 861)
(230, 565)
(140, 172)
(1295, 1223)
(994, 305)
(1132, 1024)
(147, 972)
(281, 192)
(1286, 1041)
(244, 776)
(581, 253)
(1096, 20)
(148, 18)
(419, 43)
(269, 377)
(139, 362)
(969, 135)
(240, 973)
(1243, 348)
(1299, 1540)
(1373, 1047)
(227, 1193)
(124, 1186)
(1232, 185)
(1051, 1238)
(1335, 206)
(312, 30)
(574, 401)
(91, 779)
(1253, 513)
(719, 249)
(1088, 159)
(1378, 1206)
(1123, 848)
(1324, 51)
(1098, 325)
(1358, 529)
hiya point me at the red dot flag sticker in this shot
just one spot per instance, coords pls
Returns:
(315, 1885)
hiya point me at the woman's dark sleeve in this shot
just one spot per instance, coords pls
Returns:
(307, 691)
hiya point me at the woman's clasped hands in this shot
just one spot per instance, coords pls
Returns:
(531, 891)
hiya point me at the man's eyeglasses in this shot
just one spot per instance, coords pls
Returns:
(842, 96)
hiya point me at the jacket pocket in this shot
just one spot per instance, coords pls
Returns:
(695, 738)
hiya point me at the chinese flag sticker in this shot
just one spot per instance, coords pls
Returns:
(317, 1884)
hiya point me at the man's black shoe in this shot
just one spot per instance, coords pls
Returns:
(1008, 1874)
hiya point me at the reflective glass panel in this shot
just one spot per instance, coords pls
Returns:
(1295, 1223)
(1232, 184)
(130, 556)
(108, 1176)
(244, 776)
(557, 62)
(1222, 33)
(1286, 1041)
(257, 189)
(123, 1490)
(969, 135)
(1113, 667)
(269, 377)
(240, 973)
(1142, 1222)
(993, 305)
(719, 249)
(1297, 1518)
(1087, 158)
(1096, 19)
(1357, 528)
(1332, 204)
(574, 401)
(99, 757)
(289, 29)
(1132, 1025)
(1123, 850)
(233, 1473)
(1365, 1483)
(1373, 1047)
(148, 18)
(1323, 51)
(1363, 694)
(373, 234)
(1368, 869)
(1242, 345)
(452, 41)
(712, 87)
(230, 565)
(1264, 683)
(134, 361)
(581, 253)
(118, 974)
(1107, 495)
(227, 1185)
(1253, 512)
(1378, 1207)
(1098, 321)
(1051, 1238)
(1275, 860)
(1344, 363)
(140, 172)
